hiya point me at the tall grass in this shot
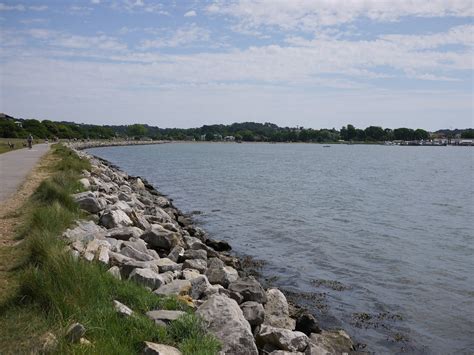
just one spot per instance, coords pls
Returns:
(57, 290)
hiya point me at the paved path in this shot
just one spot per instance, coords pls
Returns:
(15, 166)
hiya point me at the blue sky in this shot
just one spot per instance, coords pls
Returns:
(291, 62)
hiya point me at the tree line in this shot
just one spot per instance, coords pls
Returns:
(245, 131)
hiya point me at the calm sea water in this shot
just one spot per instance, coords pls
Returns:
(392, 225)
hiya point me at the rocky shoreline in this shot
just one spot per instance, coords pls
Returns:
(141, 236)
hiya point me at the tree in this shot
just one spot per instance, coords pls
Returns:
(420, 134)
(469, 133)
(374, 133)
(136, 130)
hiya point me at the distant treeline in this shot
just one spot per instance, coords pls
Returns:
(247, 131)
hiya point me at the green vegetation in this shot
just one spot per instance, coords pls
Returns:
(55, 290)
(245, 131)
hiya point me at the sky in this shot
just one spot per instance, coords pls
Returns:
(186, 63)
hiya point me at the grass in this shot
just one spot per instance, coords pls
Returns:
(56, 290)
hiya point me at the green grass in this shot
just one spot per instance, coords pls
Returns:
(56, 290)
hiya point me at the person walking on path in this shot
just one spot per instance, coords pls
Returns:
(30, 141)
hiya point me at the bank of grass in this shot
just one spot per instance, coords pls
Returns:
(55, 290)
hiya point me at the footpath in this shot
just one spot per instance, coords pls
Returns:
(15, 166)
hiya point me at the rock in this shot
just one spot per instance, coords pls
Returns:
(176, 253)
(115, 272)
(199, 286)
(159, 237)
(218, 273)
(225, 320)
(159, 349)
(276, 310)
(330, 342)
(75, 332)
(195, 254)
(283, 339)
(175, 287)
(84, 232)
(115, 218)
(138, 184)
(249, 288)
(162, 202)
(90, 204)
(231, 261)
(85, 173)
(166, 264)
(139, 220)
(135, 254)
(124, 233)
(194, 243)
(199, 265)
(236, 296)
(253, 312)
(162, 317)
(189, 274)
(103, 254)
(131, 264)
(137, 244)
(218, 245)
(283, 352)
(121, 206)
(85, 183)
(122, 309)
(307, 323)
(183, 221)
(146, 277)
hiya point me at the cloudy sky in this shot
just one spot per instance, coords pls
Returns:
(185, 63)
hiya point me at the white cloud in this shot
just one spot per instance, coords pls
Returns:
(310, 15)
(69, 41)
(21, 7)
(184, 36)
(190, 13)
(6, 7)
(38, 8)
(95, 2)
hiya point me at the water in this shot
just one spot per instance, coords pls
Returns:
(392, 225)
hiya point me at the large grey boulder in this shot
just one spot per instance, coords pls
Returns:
(330, 342)
(133, 253)
(249, 288)
(159, 237)
(226, 321)
(175, 287)
(199, 286)
(147, 277)
(139, 220)
(162, 317)
(195, 254)
(124, 233)
(198, 264)
(276, 310)
(159, 349)
(165, 264)
(115, 218)
(85, 231)
(283, 339)
(122, 309)
(89, 202)
(253, 312)
(176, 253)
(218, 273)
